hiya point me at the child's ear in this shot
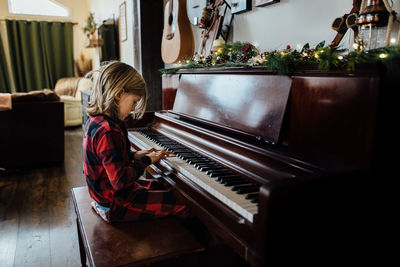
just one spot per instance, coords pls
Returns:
(118, 96)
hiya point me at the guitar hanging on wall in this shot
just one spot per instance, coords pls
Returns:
(177, 40)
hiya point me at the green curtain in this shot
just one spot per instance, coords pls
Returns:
(41, 53)
(4, 78)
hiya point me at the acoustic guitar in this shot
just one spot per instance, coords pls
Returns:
(177, 40)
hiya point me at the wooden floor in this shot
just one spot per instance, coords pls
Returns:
(37, 218)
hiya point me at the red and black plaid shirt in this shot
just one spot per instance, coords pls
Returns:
(112, 175)
(108, 163)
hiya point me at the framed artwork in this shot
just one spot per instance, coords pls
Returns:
(123, 32)
(240, 6)
(266, 2)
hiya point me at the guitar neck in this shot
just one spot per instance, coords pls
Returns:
(171, 6)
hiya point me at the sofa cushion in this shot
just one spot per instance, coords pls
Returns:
(34, 96)
(67, 86)
(84, 85)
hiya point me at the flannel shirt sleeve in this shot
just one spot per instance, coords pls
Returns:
(132, 153)
(115, 158)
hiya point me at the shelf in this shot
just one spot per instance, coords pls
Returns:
(94, 43)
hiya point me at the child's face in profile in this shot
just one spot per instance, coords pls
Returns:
(127, 104)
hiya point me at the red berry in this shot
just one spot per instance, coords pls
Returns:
(288, 47)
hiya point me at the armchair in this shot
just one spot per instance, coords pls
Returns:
(69, 90)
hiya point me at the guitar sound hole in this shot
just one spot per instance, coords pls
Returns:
(170, 18)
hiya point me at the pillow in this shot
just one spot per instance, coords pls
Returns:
(85, 84)
(67, 86)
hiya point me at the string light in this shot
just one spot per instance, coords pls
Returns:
(383, 55)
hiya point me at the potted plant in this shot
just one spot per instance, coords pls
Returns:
(91, 26)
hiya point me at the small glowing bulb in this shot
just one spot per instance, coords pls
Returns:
(316, 56)
(282, 53)
(382, 55)
(355, 46)
(393, 40)
(340, 57)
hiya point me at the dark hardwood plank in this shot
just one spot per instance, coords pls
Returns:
(33, 232)
(8, 221)
(37, 218)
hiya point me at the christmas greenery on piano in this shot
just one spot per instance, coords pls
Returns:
(246, 55)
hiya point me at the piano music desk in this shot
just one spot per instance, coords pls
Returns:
(160, 242)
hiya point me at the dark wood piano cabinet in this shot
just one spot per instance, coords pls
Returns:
(308, 141)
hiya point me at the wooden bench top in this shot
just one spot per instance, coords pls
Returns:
(129, 243)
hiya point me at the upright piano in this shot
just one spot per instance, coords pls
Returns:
(273, 165)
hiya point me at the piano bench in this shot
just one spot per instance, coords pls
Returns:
(158, 242)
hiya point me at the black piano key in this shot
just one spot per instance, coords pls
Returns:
(235, 182)
(227, 177)
(218, 173)
(254, 199)
(188, 155)
(230, 182)
(206, 165)
(200, 159)
(210, 168)
(230, 178)
(179, 150)
(197, 160)
(251, 196)
(248, 189)
(235, 188)
(185, 156)
(171, 144)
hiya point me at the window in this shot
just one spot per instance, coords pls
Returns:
(37, 7)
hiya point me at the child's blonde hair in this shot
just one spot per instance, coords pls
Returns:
(112, 78)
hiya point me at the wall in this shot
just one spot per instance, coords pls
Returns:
(104, 9)
(291, 22)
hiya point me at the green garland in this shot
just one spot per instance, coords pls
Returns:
(246, 55)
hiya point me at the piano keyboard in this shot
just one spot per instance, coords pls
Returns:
(232, 190)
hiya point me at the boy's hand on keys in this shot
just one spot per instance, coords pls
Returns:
(141, 153)
(155, 156)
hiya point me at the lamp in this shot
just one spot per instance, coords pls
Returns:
(375, 23)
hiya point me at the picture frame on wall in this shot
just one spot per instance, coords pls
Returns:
(266, 2)
(240, 6)
(123, 32)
